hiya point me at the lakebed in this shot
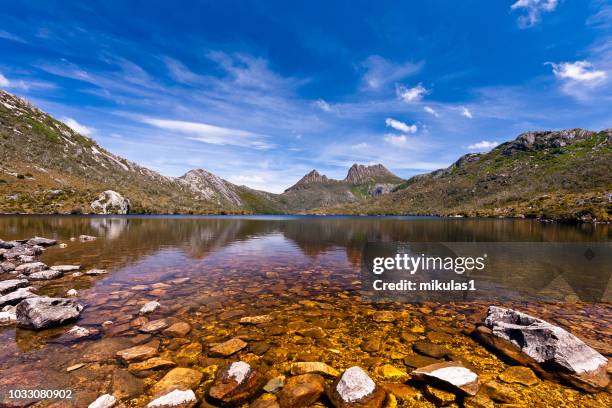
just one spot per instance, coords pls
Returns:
(281, 290)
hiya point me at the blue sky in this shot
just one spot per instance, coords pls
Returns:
(262, 92)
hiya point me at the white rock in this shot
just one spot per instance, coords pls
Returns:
(149, 307)
(7, 318)
(66, 268)
(111, 202)
(239, 371)
(174, 399)
(85, 238)
(63, 245)
(78, 331)
(11, 285)
(354, 385)
(104, 401)
(45, 275)
(31, 267)
(72, 293)
(77, 274)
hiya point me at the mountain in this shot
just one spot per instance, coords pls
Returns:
(46, 167)
(315, 190)
(564, 175)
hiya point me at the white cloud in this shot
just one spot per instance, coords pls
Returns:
(324, 106)
(534, 10)
(246, 179)
(431, 111)
(4, 81)
(581, 71)
(380, 72)
(396, 140)
(466, 112)
(482, 146)
(411, 94)
(77, 127)
(211, 134)
(401, 126)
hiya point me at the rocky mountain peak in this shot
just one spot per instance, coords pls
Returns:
(310, 178)
(361, 174)
(208, 186)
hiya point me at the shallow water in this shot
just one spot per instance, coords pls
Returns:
(304, 271)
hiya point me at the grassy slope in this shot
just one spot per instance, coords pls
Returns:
(567, 182)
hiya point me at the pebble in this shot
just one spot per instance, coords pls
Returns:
(314, 368)
(149, 307)
(227, 348)
(137, 353)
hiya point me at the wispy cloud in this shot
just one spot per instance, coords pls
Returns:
(5, 35)
(482, 146)
(534, 10)
(431, 111)
(77, 127)
(179, 72)
(413, 94)
(578, 78)
(380, 71)
(396, 140)
(4, 81)
(401, 126)
(211, 134)
(466, 112)
(324, 106)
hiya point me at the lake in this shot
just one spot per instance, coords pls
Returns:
(306, 272)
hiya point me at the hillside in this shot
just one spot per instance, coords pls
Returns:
(46, 167)
(361, 182)
(547, 174)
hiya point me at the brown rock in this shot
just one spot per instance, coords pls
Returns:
(154, 326)
(429, 349)
(151, 364)
(125, 385)
(520, 375)
(401, 391)
(384, 316)
(137, 353)
(180, 329)
(301, 391)
(441, 398)
(236, 383)
(501, 393)
(179, 378)
(313, 367)
(227, 348)
(371, 345)
(417, 360)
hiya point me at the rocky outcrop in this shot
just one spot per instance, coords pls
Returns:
(17, 296)
(10, 285)
(43, 312)
(360, 174)
(536, 140)
(545, 347)
(311, 178)
(111, 202)
(208, 186)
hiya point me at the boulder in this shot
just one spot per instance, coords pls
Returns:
(452, 375)
(227, 348)
(7, 266)
(10, 285)
(236, 383)
(535, 342)
(17, 296)
(43, 312)
(354, 388)
(174, 399)
(44, 242)
(45, 275)
(111, 202)
(301, 391)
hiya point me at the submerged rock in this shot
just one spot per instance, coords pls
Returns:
(451, 375)
(227, 348)
(179, 378)
(154, 326)
(11, 285)
(151, 364)
(66, 268)
(236, 383)
(43, 312)
(149, 307)
(519, 375)
(253, 320)
(137, 353)
(178, 329)
(314, 368)
(355, 388)
(85, 238)
(31, 267)
(174, 399)
(530, 340)
(301, 391)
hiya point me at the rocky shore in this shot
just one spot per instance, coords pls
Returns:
(311, 353)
